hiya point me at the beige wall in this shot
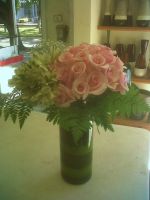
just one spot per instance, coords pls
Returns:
(82, 21)
(95, 18)
(86, 20)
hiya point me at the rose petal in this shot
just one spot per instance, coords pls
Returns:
(97, 60)
(97, 83)
(78, 68)
(80, 88)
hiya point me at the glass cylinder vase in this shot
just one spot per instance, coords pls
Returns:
(76, 157)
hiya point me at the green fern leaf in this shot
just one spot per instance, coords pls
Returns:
(24, 112)
(3, 98)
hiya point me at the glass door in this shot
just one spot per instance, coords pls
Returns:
(8, 30)
(28, 24)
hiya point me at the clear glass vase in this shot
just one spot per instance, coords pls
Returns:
(76, 158)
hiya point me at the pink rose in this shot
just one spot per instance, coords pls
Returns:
(66, 77)
(115, 70)
(122, 87)
(64, 74)
(82, 56)
(97, 60)
(66, 57)
(78, 68)
(80, 88)
(94, 49)
(77, 49)
(97, 83)
(119, 63)
(98, 48)
(64, 97)
(113, 74)
(109, 56)
(119, 85)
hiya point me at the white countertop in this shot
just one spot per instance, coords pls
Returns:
(30, 166)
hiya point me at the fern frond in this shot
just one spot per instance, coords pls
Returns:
(101, 109)
(24, 112)
(3, 98)
(11, 105)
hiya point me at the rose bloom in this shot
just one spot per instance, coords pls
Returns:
(80, 88)
(88, 69)
(66, 57)
(97, 83)
(109, 56)
(78, 68)
(75, 50)
(97, 60)
(120, 84)
(64, 97)
(115, 70)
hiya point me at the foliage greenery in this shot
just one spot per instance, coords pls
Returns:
(27, 3)
(24, 31)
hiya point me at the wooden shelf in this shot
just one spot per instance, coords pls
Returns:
(133, 123)
(144, 80)
(124, 28)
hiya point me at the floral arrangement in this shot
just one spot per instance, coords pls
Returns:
(88, 70)
(73, 86)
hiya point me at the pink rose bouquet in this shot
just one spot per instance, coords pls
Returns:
(88, 69)
(73, 86)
